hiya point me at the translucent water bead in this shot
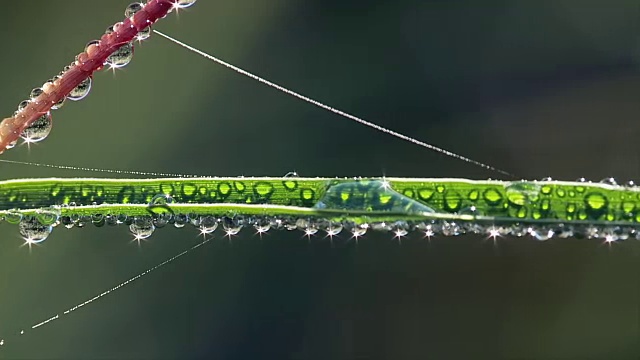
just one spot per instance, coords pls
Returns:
(38, 130)
(142, 227)
(132, 9)
(23, 104)
(121, 57)
(47, 87)
(33, 231)
(80, 91)
(181, 4)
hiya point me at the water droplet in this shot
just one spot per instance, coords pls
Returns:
(400, 229)
(381, 226)
(232, 225)
(92, 43)
(65, 69)
(144, 34)
(13, 216)
(290, 226)
(35, 93)
(80, 91)
(309, 227)
(262, 225)
(180, 221)
(111, 220)
(98, 220)
(38, 130)
(332, 228)
(132, 9)
(291, 174)
(181, 4)
(12, 144)
(48, 216)
(208, 224)
(23, 104)
(60, 102)
(451, 229)
(518, 230)
(142, 227)
(122, 56)
(609, 181)
(161, 220)
(67, 222)
(563, 231)
(541, 233)
(522, 193)
(359, 230)
(33, 231)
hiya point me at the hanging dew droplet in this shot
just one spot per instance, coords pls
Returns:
(121, 57)
(180, 221)
(181, 4)
(32, 231)
(262, 225)
(232, 225)
(541, 233)
(161, 220)
(359, 231)
(80, 91)
(12, 144)
(59, 104)
(144, 34)
(38, 130)
(98, 220)
(142, 227)
(132, 9)
(208, 225)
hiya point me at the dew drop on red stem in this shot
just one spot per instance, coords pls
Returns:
(121, 57)
(80, 91)
(181, 4)
(38, 130)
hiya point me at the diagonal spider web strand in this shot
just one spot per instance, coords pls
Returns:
(334, 110)
(113, 289)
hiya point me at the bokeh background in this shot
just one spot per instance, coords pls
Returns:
(538, 88)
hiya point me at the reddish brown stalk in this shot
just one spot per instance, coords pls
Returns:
(87, 62)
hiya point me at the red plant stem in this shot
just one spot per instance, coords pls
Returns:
(84, 67)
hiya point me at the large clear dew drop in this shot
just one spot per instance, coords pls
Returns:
(121, 57)
(181, 4)
(132, 9)
(142, 227)
(38, 130)
(33, 231)
(35, 93)
(80, 91)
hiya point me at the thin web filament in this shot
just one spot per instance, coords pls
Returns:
(334, 110)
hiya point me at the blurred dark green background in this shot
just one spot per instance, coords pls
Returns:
(538, 88)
